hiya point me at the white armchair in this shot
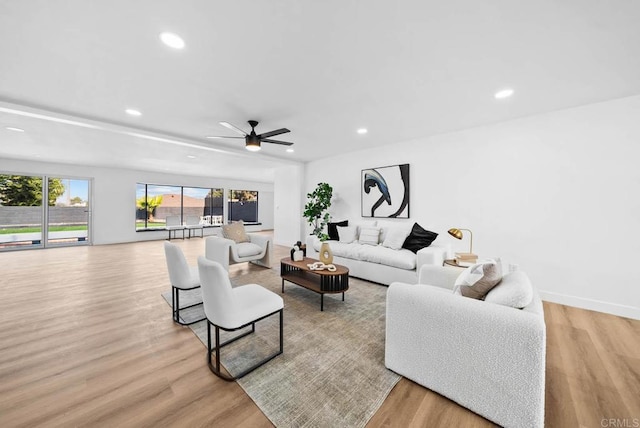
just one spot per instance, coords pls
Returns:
(487, 357)
(228, 252)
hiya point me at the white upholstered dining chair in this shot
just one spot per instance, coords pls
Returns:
(232, 309)
(173, 224)
(193, 223)
(182, 278)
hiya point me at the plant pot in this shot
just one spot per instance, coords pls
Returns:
(326, 256)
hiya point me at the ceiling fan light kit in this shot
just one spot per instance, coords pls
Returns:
(252, 144)
(252, 140)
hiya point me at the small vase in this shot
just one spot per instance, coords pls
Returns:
(326, 256)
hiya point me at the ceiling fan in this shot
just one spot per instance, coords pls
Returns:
(254, 140)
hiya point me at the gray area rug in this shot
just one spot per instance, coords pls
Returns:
(332, 370)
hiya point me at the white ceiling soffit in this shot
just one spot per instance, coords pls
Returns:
(322, 69)
(55, 137)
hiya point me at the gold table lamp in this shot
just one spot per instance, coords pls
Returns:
(464, 257)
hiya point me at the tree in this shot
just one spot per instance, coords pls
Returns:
(56, 189)
(76, 200)
(243, 195)
(315, 211)
(215, 193)
(149, 204)
(26, 191)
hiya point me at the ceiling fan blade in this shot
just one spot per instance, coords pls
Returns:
(218, 137)
(272, 133)
(284, 143)
(233, 128)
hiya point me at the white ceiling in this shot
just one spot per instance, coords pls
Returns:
(401, 69)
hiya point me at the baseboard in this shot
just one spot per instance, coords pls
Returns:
(593, 305)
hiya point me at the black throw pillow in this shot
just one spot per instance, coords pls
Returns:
(419, 238)
(332, 229)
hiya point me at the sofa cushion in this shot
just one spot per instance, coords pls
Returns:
(402, 259)
(369, 235)
(396, 237)
(478, 279)
(347, 234)
(332, 229)
(515, 290)
(419, 238)
(246, 249)
(235, 231)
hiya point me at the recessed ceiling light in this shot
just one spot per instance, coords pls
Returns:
(13, 128)
(289, 150)
(191, 157)
(133, 112)
(172, 40)
(504, 93)
(362, 131)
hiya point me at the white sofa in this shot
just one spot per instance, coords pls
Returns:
(380, 264)
(487, 357)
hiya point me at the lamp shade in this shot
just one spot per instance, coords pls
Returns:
(456, 233)
(252, 143)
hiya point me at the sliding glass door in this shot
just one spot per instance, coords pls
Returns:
(68, 211)
(29, 220)
(21, 211)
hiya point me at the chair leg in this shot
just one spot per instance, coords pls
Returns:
(215, 369)
(175, 301)
(281, 324)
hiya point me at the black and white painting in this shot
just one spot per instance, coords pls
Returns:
(385, 191)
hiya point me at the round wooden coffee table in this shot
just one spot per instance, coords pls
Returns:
(319, 281)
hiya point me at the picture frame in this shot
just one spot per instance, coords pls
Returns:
(385, 192)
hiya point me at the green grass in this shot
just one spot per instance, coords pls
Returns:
(12, 230)
(150, 224)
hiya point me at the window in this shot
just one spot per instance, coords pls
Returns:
(243, 205)
(205, 203)
(155, 202)
(29, 220)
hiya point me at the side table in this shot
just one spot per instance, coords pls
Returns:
(454, 263)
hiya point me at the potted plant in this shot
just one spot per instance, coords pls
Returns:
(316, 214)
(315, 211)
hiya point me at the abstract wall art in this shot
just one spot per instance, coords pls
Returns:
(385, 192)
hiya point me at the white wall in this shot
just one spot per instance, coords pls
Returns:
(266, 209)
(114, 195)
(288, 182)
(558, 194)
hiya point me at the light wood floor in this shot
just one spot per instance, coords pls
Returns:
(86, 340)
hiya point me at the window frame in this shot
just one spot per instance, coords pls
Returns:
(230, 202)
(146, 227)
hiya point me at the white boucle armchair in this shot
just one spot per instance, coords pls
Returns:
(227, 252)
(486, 357)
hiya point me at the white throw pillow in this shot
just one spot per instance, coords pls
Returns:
(384, 228)
(478, 279)
(347, 234)
(363, 224)
(396, 237)
(387, 225)
(369, 235)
